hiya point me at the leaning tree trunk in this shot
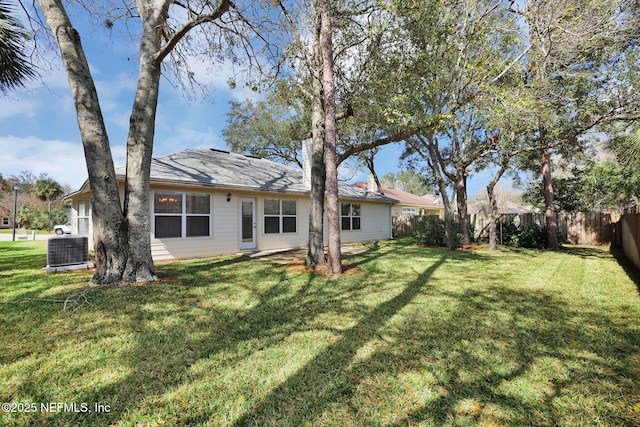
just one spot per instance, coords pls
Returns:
(109, 228)
(549, 212)
(331, 160)
(315, 255)
(140, 148)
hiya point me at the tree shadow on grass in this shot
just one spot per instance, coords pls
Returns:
(201, 272)
(165, 348)
(627, 265)
(438, 356)
(596, 252)
(517, 357)
(168, 328)
(322, 381)
(586, 251)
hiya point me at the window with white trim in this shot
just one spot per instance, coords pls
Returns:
(181, 214)
(350, 216)
(408, 211)
(5, 222)
(83, 217)
(280, 216)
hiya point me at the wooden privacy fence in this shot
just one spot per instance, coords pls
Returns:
(578, 228)
(405, 225)
(628, 236)
(583, 228)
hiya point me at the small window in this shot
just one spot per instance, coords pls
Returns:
(280, 216)
(83, 217)
(350, 216)
(5, 222)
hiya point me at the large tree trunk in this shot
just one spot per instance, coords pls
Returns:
(315, 255)
(140, 148)
(493, 204)
(331, 161)
(109, 228)
(461, 200)
(493, 217)
(449, 220)
(549, 211)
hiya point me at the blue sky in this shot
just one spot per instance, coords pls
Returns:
(39, 130)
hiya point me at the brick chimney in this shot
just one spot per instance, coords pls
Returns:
(371, 184)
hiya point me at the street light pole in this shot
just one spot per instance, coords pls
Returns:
(15, 208)
(49, 226)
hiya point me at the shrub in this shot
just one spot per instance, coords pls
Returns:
(37, 218)
(526, 236)
(431, 232)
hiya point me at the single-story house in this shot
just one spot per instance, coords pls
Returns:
(208, 202)
(407, 204)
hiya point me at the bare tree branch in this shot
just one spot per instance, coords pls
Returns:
(223, 8)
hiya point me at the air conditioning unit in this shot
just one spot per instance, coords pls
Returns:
(68, 253)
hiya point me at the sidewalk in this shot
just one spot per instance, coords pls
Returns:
(7, 237)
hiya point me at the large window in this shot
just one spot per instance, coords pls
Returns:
(279, 216)
(181, 214)
(350, 216)
(83, 217)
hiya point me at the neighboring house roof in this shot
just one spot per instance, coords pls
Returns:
(510, 208)
(434, 200)
(405, 198)
(222, 169)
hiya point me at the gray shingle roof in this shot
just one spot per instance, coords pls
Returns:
(216, 168)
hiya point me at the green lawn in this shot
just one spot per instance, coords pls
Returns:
(410, 336)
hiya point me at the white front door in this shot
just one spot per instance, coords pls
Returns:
(247, 223)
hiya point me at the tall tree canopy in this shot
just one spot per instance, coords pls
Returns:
(170, 35)
(440, 76)
(577, 57)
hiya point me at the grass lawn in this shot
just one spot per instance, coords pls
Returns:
(410, 336)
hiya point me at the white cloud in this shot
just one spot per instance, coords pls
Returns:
(38, 98)
(217, 75)
(13, 107)
(62, 160)
(183, 138)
